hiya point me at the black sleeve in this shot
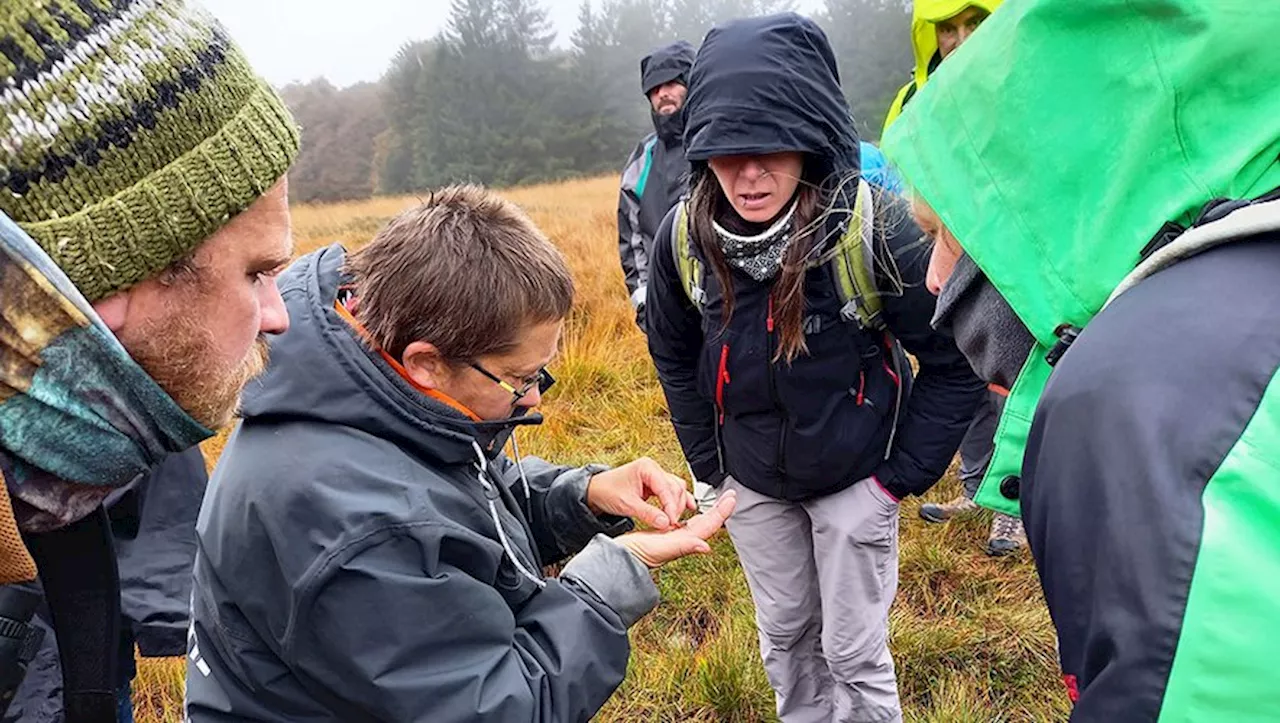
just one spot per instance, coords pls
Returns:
(946, 392)
(675, 343)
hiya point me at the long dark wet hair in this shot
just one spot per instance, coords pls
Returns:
(786, 292)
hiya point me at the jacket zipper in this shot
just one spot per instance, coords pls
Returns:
(777, 401)
(891, 349)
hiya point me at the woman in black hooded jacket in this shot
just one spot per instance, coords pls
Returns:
(810, 415)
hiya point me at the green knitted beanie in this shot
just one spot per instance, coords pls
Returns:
(130, 131)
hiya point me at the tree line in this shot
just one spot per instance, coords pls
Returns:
(493, 99)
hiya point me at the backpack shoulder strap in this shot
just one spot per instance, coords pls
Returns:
(1241, 224)
(688, 265)
(853, 262)
(82, 588)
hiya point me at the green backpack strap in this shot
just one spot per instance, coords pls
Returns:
(689, 267)
(853, 264)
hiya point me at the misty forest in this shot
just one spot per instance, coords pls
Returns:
(497, 98)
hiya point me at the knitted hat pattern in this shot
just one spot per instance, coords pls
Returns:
(130, 132)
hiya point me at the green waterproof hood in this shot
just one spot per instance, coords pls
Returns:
(1059, 140)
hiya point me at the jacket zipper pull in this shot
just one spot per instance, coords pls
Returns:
(768, 323)
(722, 378)
(862, 386)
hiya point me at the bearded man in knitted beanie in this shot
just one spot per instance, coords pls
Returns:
(143, 216)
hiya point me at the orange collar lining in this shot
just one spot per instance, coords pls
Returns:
(399, 368)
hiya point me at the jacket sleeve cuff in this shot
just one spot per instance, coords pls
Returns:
(572, 522)
(892, 483)
(614, 576)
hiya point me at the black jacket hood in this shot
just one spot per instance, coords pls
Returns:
(767, 85)
(668, 63)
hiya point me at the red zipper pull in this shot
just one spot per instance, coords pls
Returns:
(722, 378)
(862, 385)
(769, 321)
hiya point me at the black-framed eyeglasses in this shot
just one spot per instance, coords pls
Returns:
(541, 380)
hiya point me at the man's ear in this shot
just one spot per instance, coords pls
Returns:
(425, 366)
(113, 310)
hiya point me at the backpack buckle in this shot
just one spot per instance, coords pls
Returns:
(1066, 334)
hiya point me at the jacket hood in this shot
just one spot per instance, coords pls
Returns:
(766, 85)
(1068, 133)
(924, 36)
(668, 63)
(322, 371)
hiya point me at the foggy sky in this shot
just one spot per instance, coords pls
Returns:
(348, 41)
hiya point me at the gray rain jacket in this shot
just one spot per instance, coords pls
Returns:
(349, 566)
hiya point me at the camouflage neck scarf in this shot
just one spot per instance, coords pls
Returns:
(78, 417)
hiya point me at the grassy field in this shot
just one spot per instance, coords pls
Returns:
(971, 636)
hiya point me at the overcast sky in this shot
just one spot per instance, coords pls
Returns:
(349, 41)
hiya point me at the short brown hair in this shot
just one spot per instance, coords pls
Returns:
(466, 271)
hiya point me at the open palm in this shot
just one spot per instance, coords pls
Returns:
(656, 549)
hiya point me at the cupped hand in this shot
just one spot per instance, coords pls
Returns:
(656, 549)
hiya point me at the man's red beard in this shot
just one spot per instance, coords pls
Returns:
(178, 354)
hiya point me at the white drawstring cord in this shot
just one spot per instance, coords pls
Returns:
(491, 494)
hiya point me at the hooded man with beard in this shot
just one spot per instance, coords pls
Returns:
(1107, 248)
(144, 215)
(656, 172)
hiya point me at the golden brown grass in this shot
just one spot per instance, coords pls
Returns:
(971, 637)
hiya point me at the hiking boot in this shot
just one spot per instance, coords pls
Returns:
(934, 512)
(1006, 536)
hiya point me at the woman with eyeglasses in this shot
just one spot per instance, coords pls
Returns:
(781, 296)
(366, 550)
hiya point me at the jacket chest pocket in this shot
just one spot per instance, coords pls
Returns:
(734, 374)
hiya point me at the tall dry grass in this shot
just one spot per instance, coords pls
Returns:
(970, 634)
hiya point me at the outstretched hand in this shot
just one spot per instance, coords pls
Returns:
(656, 549)
(625, 490)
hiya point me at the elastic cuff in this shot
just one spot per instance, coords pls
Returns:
(616, 577)
(885, 490)
(891, 484)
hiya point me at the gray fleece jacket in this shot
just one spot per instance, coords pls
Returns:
(351, 566)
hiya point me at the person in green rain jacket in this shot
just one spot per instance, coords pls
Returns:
(938, 27)
(1107, 236)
